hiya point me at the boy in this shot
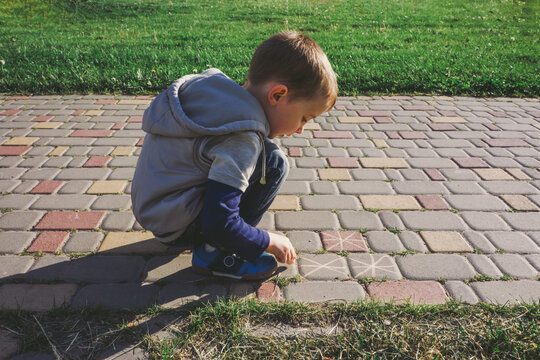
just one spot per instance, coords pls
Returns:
(207, 171)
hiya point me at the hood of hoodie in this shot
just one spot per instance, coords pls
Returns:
(188, 108)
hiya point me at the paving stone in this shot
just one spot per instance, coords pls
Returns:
(378, 266)
(107, 187)
(117, 296)
(59, 220)
(460, 174)
(434, 174)
(14, 266)
(75, 187)
(118, 221)
(122, 174)
(61, 202)
(343, 240)
(435, 266)
(294, 188)
(285, 202)
(20, 220)
(505, 142)
(512, 242)
(478, 220)
(508, 187)
(324, 188)
(431, 220)
(461, 292)
(523, 221)
(310, 162)
(518, 174)
(383, 163)
(324, 291)
(534, 260)
(48, 268)
(514, 265)
(384, 241)
(170, 269)
(9, 344)
(397, 202)
(329, 202)
(323, 267)
(357, 220)
(81, 242)
(17, 201)
(334, 174)
(332, 134)
(368, 174)
(414, 292)
(97, 161)
(14, 242)
(507, 292)
(356, 119)
(470, 162)
(445, 241)
(306, 220)
(493, 174)
(305, 241)
(83, 174)
(58, 151)
(40, 174)
(8, 185)
(11, 150)
(21, 141)
(432, 202)
(48, 241)
(342, 162)
(36, 297)
(483, 265)
(47, 187)
(464, 187)
(105, 269)
(364, 187)
(301, 174)
(476, 202)
(419, 187)
(112, 202)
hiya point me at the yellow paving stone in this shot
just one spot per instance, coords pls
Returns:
(334, 174)
(493, 174)
(379, 143)
(285, 202)
(383, 163)
(59, 150)
(47, 125)
(445, 241)
(390, 202)
(312, 126)
(93, 112)
(519, 202)
(356, 119)
(447, 119)
(444, 98)
(518, 174)
(138, 242)
(123, 150)
(107, 187)
(21, 140)
(168, 269)
(134, 102)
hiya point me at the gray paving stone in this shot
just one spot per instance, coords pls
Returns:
(514, 265)
(508, 187)
(431, 220)
(412, 241)
(20, 220)
(10, 161)
(11, 173)
(116, 141)
(17, 201)
(419, 187)
(14, 267)
(534, 260)
(324, 291)
(305, 241)
(72, 141)
(507, 292)
(377, 266)
(512, 242)
(479, 241)
(476, 202)
(40, 174)
(123, 161)
(301, 174)
(8, 185)
(464, 187)
(170, 269)
(57, 161)
(48, 267)
(367, 174)
(77, 162)
(122, 174)
(460, 174)
(267, 222)
(306, 220)
(105, 269)
(323, 267)
(461, 292)
(330, 202)
(478, 220)
(365, 187)
(112, 202)
(36, 297)
(394, 174)
(118, 221)
(63, 202)
(523, 221)
(431, 163)
(324, 188)
(384, 241)
(117, 296)
(484, 265)
(84, 241)
(413, 174)
(357, 220)
(101, 150)
(25, 186)
(390, 220)
(501, 162)
(77, 151)
(75, 187)
(14, 242)
(83, 174)
(33, 162)
(435, 266)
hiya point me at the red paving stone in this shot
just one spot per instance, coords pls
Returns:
(13, 150)
(10, 112)
(97, 161)
(442, 127)
(340, 107)
(91, 133)
(46, 187)
(470, 162)
(135, 119)
(383, 120)
(48, 241)
(322, 134)
(432, 202)
(144, 97)
(66, 220)
(429, 292)
(374, 113)
(506, 142)
(295, 151)
(43, 118)
(78, 112)
(268, 291)
(105, 102)
(434, 174)
(392, 135)
(412, 135)
(118, 126)
(343, 240)
(343, 162)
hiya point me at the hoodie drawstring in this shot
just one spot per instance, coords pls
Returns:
(263, 177)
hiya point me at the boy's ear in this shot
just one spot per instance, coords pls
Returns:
(276, 93)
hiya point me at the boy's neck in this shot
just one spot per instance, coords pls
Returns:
(259, 93)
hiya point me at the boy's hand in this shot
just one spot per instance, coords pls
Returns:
(280, 246)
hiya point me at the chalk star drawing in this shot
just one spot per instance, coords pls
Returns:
(372, 267)
(316, 266)
(343, 240)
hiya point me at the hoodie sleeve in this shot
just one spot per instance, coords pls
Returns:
(234, 158)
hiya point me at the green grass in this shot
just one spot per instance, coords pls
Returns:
(225, 330)
(387, 47)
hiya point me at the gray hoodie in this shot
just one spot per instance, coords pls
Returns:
(202, 127)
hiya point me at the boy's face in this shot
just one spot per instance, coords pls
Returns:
(287, 117)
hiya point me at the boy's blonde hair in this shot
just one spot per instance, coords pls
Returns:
(298, 62)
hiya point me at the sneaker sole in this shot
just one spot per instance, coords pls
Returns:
(208, 272)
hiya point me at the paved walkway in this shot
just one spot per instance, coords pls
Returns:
(427, 198)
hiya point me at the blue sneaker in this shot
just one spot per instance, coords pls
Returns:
(208, 260)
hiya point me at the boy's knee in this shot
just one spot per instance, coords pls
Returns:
(276, 163)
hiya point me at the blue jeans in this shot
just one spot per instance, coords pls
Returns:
(257, 198)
